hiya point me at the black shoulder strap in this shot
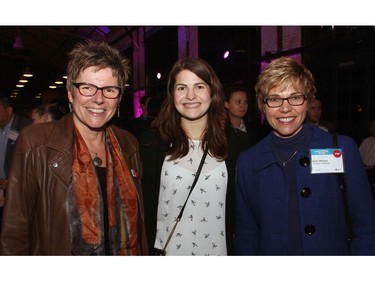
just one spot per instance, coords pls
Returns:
(342, 184)
(183, 207)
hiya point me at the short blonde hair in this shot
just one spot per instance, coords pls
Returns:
(284, 71)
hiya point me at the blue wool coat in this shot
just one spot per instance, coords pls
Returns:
(262, 202)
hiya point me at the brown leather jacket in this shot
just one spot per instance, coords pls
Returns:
(35, 219)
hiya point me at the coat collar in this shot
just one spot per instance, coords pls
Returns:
(61, 138)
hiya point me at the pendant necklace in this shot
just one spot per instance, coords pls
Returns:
(285, 162)
(285, 145)
(97, 160)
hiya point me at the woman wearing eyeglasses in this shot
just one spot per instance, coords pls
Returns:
(74, 187)
(288, 200)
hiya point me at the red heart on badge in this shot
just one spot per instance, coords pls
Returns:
(337, 153)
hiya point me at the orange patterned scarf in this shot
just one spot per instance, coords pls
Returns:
(86, 206)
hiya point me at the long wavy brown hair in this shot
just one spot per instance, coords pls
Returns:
(168, 121)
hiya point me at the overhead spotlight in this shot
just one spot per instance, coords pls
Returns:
(59, 81)
(226, 54)
(18, 44)
(27, 72)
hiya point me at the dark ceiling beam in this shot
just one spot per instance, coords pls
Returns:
(59, 31)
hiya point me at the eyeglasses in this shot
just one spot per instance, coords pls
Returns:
(89, 90)
(276, 101)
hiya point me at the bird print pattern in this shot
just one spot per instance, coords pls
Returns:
(201, 230)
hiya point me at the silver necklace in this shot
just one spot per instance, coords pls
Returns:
(97, 160)
(285, 162)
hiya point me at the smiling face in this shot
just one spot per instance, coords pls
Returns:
(93, 113)
(286, 120)
(192, 97)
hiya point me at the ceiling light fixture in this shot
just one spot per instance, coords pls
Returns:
(59, 81)
(27, 72)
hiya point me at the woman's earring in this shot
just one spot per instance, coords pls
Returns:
(118, 112)
(70, 108)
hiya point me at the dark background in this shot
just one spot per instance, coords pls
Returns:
(340, 57)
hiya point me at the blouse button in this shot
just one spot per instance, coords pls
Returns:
(55, 165)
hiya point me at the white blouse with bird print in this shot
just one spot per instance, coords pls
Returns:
(201, 230)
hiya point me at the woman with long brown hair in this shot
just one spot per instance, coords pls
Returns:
(192, 120)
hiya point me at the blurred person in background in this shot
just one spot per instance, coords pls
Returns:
(10, 126)
(367, 150)
(237, 105)
(314, 114)
(46, 113)
(150, 106)
(237, 102)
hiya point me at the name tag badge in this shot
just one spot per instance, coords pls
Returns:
(13, 135)
(327, 160)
